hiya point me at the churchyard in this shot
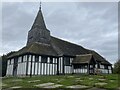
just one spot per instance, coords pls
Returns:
(83, 82)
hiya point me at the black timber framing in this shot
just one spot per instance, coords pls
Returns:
(46, 68)
(88, 68)
(43, 68)
(27, 65)
(52, 67)
(63, 65)
(15, 65)
(34, 64)
(49, 67)
(38, 65)
(40, 68)
(57, 66)
(31, 66)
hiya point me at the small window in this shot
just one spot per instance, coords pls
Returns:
(51, 60)
(91, 66)
(10, 61)
(76, 66)
(66, 61)
(105, 66)
(85, 66)
(36, 58)
(22, 59)
(43, 59)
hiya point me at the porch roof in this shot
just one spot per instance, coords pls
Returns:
(80, 59)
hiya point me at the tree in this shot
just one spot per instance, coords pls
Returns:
(4, 65)
(116, 68)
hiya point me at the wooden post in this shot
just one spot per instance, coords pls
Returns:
(27, 65)
(31, 66)
(88, 69)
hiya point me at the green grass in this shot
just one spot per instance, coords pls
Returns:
(111, 80)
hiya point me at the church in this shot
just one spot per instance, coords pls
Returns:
(47, 55)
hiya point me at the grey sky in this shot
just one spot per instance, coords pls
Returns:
(91, 25)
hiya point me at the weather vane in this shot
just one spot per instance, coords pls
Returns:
(40, 5)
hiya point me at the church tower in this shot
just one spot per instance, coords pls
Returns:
(39, 33)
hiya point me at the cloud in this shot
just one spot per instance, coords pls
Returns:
(92, 25)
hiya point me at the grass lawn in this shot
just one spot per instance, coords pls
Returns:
(65, 80)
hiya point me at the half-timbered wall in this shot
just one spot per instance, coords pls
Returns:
(46, 65)
(21, 68)
(80, 68)
(10, 67)
(109, 69)
(68, 65)
(60, 65)
(42, 66)
(105, 69)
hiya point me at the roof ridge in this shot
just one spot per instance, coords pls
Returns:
(69, 42)
(30, 47)
(85, 55)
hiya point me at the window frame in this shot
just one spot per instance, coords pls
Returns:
(44, 59)
(67, 61)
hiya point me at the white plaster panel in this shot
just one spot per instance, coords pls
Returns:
(36, 64)
(33, 58)
(11, 61)
(109, 67)
(45, 68)
(48, 60)
(53, 69)
(39, 69)
(110, 71)
(50, 69)
(61, 65)
(8, 62)
(39, 58)
(29, 58)
(23, 69)
(29, 66)
(32, 68)
(42, 69)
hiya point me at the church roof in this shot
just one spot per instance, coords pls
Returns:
(80, 59)
(60, 47)
(36, 48)
(39, 21)
(69, 49)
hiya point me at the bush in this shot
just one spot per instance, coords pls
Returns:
(116, 69)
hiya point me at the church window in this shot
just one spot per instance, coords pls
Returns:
(101, 66)
(105, 66)
(85, 66)
(37, 59)
(43, 59)
(51, 60)
(91, 66)
(22, 59)
(76, 66)
(66, 61)
(10, 61)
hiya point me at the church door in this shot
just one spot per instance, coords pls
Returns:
(15, 65)
(91, 69)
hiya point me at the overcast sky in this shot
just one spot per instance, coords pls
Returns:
(92, 25)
